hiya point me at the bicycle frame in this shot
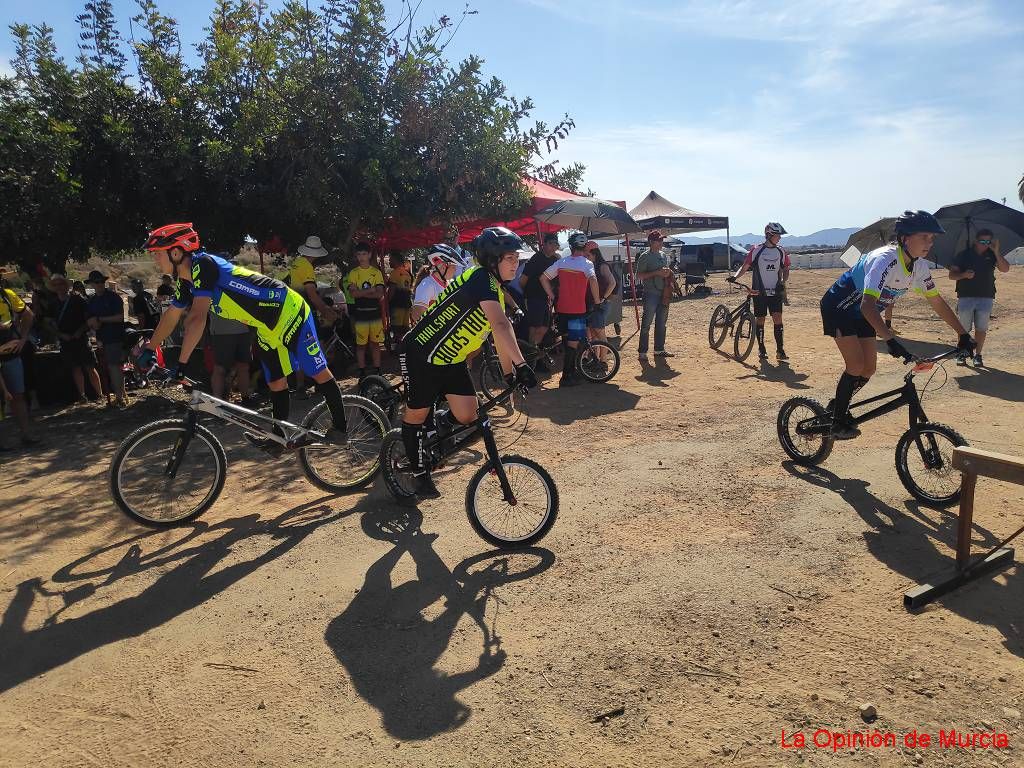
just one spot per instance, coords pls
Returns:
(905, 395)
(482, 423)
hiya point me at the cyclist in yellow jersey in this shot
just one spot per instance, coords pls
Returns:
(285, 331)
(433, 353)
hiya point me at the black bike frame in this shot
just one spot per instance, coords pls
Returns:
(906, 395)
(482, 423)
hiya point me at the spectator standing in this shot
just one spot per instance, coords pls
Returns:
(165, 291)
(652, 271)
(451, 238)
(576, 277)
(106, 317)
(598, 318)
(73, 332)
(538, 313)
(232, 349)
(44, 310)
(15, 326)
(144, 307)
(974, 271)
(79, 287)
(366, 286)
(302, 277)
(399, 294)
(443, 264)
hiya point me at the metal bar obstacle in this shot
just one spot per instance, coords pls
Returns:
(972, 463)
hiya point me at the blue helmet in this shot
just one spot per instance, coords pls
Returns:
(912, 222)
(493, 243)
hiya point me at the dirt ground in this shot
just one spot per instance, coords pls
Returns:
(703, 590)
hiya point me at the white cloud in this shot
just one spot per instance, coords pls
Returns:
(819, 21)
(881, 165)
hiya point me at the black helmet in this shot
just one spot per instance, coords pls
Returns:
(491, 244)
(912, 222)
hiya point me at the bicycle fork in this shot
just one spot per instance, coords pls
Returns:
(496, 466)
(181, 445)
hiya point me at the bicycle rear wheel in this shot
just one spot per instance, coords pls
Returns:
(395, 467)
(598, 362)
(718, 326)
(924, 463)
(802, 446)
(341, 468)
(143, 484)
(743, 340)
(521, 522)
(379, 390)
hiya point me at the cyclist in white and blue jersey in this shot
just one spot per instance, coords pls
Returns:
(851, 310)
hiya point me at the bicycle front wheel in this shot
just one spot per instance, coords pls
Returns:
(158, 480)
(743, 341)
(521, 521)
(491, 378)
(924, 463)
(341, 468)
(598, 362)
(718, 326)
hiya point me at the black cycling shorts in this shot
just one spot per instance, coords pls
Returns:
(426, 382)
(849, 322)
(765, 304)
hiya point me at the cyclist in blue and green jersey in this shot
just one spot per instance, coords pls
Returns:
(851, 310)
(285, 328)
(434, 351)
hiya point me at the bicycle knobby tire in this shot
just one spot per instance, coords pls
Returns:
(929, 431)
(133, 440)
(538, 531)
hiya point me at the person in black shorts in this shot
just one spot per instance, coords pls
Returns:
(433, 353)
(72, 330)
(538, 311)
(768, 264)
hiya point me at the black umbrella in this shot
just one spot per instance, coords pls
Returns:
(872, 236)
(590, 214)
(962, 222)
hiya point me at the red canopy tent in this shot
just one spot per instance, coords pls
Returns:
(541, 194)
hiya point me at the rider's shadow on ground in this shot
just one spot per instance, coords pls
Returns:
(197, 576)
(588, 401)
(658, 374)
(782, 373)
(908, 542)
(993, 382)
(390, 648)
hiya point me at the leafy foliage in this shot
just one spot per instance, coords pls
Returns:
(300, 120)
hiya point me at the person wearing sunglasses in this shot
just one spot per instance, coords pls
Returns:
(974, 271)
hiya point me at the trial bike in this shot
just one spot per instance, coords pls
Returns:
(924, 453)
(596, 361)
(170, 471)
(511, 501)
(740, 322)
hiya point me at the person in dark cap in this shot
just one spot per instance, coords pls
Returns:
(106, 318)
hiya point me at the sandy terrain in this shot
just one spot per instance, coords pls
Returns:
(716, 592)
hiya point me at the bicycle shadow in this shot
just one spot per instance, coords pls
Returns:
(919, 542)
(657, 374)
(782, 373)
(196, 576)
(594, 400)
(732, 358)
(390, 649)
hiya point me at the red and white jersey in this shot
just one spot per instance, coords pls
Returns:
(573, 273)
(766, 263)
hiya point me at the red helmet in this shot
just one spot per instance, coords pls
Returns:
(171, 236)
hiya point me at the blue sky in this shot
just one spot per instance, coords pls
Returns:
(815, 113)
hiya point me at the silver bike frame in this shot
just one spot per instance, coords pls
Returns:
(203, 402)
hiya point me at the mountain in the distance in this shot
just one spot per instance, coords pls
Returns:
(836, 237)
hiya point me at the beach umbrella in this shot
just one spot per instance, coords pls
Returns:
(963, 220)
(592, 215)
(872, 236)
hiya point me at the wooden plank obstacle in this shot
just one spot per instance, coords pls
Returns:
(972, 463)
